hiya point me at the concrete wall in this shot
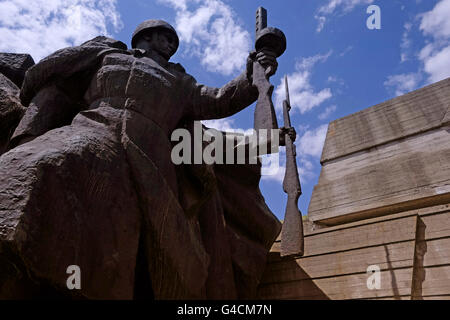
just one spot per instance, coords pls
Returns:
(382, 199)
(412, 250)
(385, 159)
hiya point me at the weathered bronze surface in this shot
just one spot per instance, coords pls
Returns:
(12, 72)
(88, 181)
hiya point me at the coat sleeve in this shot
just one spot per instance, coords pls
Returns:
(53, 89)
(214, 103)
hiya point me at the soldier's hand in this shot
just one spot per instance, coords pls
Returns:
(268, 60)
(284, 131)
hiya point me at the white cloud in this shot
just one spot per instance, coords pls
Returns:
(436, 55)
(437, 65)
(332, 79)
(311, 142)
(306, 169)
(321, 20)
(40, 27)
(337, 6)
(338, 82)
(304, 166)
(343, 5)
(347, 50)
(302, 95)
(403, 57)
(436, 22)
(403, 83)
(227, 125)
(176, 4)
(309, 149)
(328, 111)
(210, 31)
(426, 51)
(310, 62)
(279, 175)
(406, 42)
(220, 124)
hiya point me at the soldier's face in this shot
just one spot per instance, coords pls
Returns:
(167, 43)
(162, 42)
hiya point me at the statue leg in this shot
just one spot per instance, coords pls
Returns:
(251, 227)
(221, 282)
(177, 261)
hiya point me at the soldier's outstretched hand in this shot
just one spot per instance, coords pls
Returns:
(284, 131)
(266, 58)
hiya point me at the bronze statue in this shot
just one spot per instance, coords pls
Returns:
(88, 180)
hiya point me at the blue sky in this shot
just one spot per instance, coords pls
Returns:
(335, 64)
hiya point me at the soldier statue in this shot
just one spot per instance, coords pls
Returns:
(88, 181)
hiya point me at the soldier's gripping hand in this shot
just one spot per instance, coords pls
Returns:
(287, 131)
(266, 58)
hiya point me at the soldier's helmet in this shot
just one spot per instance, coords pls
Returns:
(150, 25)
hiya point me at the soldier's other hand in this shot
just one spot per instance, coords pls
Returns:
(287, 131)
(268, 60)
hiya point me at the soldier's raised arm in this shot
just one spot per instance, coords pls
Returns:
(239, 93)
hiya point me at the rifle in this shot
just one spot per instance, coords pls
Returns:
(292, 241)
(274, 40)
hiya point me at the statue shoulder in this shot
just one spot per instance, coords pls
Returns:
(66, 62)
(105, 41)
(188, 78)
(178, 67)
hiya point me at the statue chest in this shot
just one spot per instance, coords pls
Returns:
(142, 85)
